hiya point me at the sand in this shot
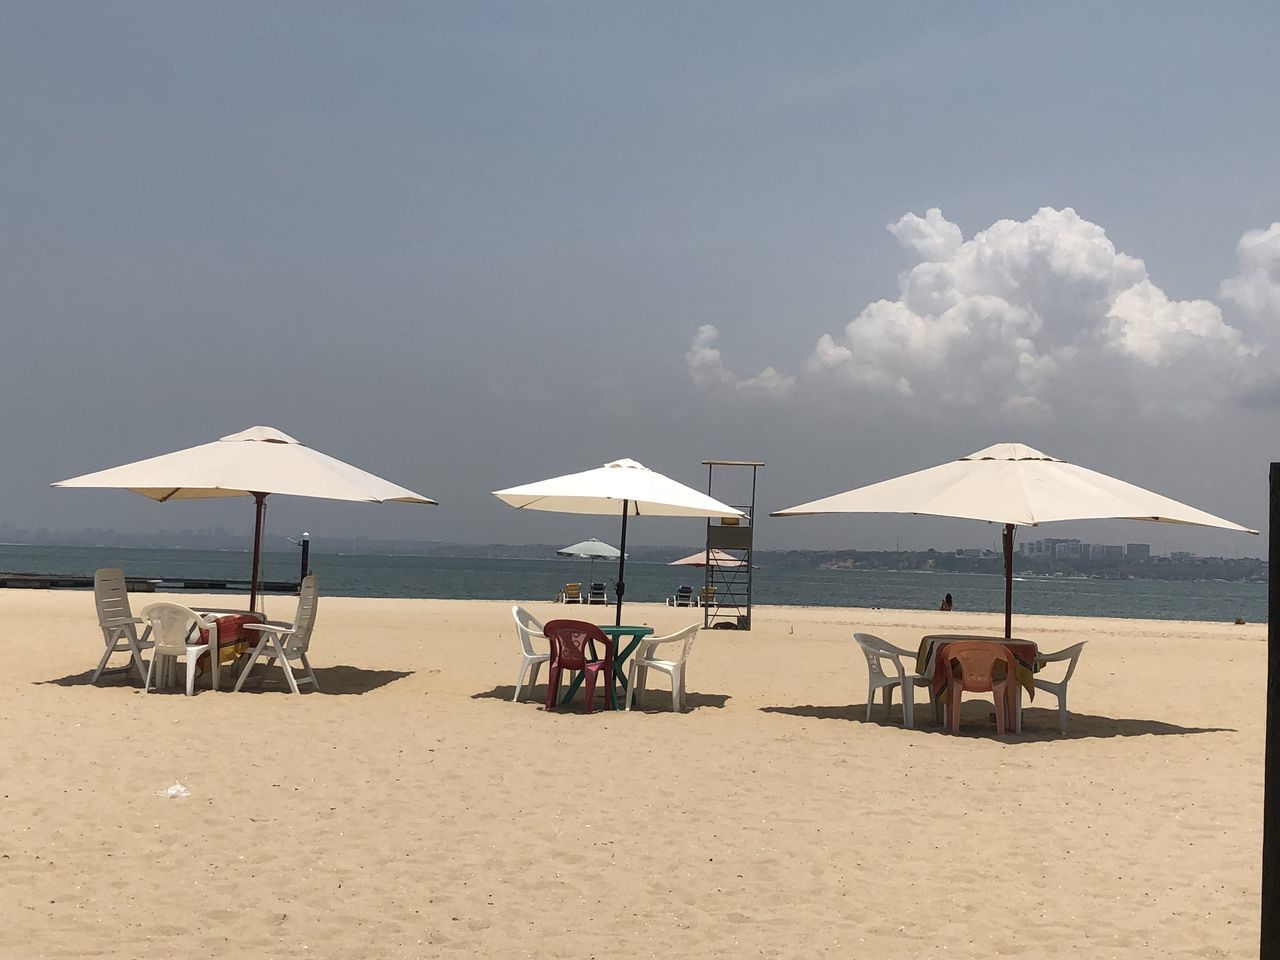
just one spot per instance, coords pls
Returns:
(410, 809)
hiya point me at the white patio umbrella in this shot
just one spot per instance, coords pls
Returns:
(623, 487)
(719, 558)
(592, 550)
(1014, 485)
(254, 463)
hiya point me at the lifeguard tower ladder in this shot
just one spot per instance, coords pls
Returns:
(726, 597)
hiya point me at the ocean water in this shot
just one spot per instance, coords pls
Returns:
(489, 579)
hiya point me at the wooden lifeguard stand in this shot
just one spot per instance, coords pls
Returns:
(726, 596)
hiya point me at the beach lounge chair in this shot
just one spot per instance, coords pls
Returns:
(683, 597)
(876, 651)
(527, 627)
(119, 625)
(1057, 687)
(569, 651)
(288, 641)
(572, 593)
(174, 628)
(976, 667)
(644, 661)
(707, 596)
(597, 595)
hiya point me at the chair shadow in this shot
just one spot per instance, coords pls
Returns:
(1038, 725)
(333, 681)
(655, 700)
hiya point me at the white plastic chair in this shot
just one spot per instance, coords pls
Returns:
(119, 625)
(876, 651)
(172, 627)
(644, 661)
(1057, 687)
(288, 641)
(528, 627)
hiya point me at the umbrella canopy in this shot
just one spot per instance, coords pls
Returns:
(1014, 485)
(592, 550)
(254, 463)
(623, 487)
(719, 558)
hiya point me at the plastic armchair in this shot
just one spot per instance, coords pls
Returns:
(119, 625)
(596, 595)
(288, 641)
(644, 661)
(1058, 688)
(972, 667)
(571, 641)
(174, 628)
(527, 626)
(877, 651)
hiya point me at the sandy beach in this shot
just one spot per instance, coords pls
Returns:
(409, 809)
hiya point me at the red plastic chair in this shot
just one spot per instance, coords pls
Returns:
(570, 649)
(973, 668)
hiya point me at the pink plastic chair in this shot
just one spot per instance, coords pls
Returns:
(570, 641)
(973, 667)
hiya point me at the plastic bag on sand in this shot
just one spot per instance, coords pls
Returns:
(176, 792)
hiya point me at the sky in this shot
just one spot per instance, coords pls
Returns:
(470, 245)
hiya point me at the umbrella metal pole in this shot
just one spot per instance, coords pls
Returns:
(1008, 580)
(619, 587)
(261, 500)
(1270, 940)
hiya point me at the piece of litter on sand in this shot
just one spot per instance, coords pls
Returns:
(177, 791)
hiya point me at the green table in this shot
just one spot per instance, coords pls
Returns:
(619, 660)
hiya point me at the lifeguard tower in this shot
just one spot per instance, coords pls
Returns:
(726, 596)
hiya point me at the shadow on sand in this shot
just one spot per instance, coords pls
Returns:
(1038, 725)
(334, 681)
(655, 701)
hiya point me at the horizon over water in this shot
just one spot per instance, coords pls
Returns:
(463, 578)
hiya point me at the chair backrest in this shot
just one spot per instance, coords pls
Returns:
(569, 640)
(708, 593)
(875, 649)
(111, 597)
(684, 591)
(1071, 653)
(688, 635)
(597, 589)
(304, 620)
(572, 590)
(976, 663)
(526, 626)
(173, 626)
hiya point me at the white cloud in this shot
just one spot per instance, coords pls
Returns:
(708, 370)
(1023, 311)
(1256, 288)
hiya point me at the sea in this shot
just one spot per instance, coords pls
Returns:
(365, 575)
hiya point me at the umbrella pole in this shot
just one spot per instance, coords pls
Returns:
(261, 500)
(622, 563)
(1008, 580)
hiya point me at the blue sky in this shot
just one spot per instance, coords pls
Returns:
(471, 245)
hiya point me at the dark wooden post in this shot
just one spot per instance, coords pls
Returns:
(1270, 946)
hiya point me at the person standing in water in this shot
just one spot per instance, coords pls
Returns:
(946, 603)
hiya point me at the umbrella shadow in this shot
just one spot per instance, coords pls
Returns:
(1038, 725)
(335, 681)
(339, 681)
(656, 703)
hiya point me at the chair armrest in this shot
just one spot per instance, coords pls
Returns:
(271, 626)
